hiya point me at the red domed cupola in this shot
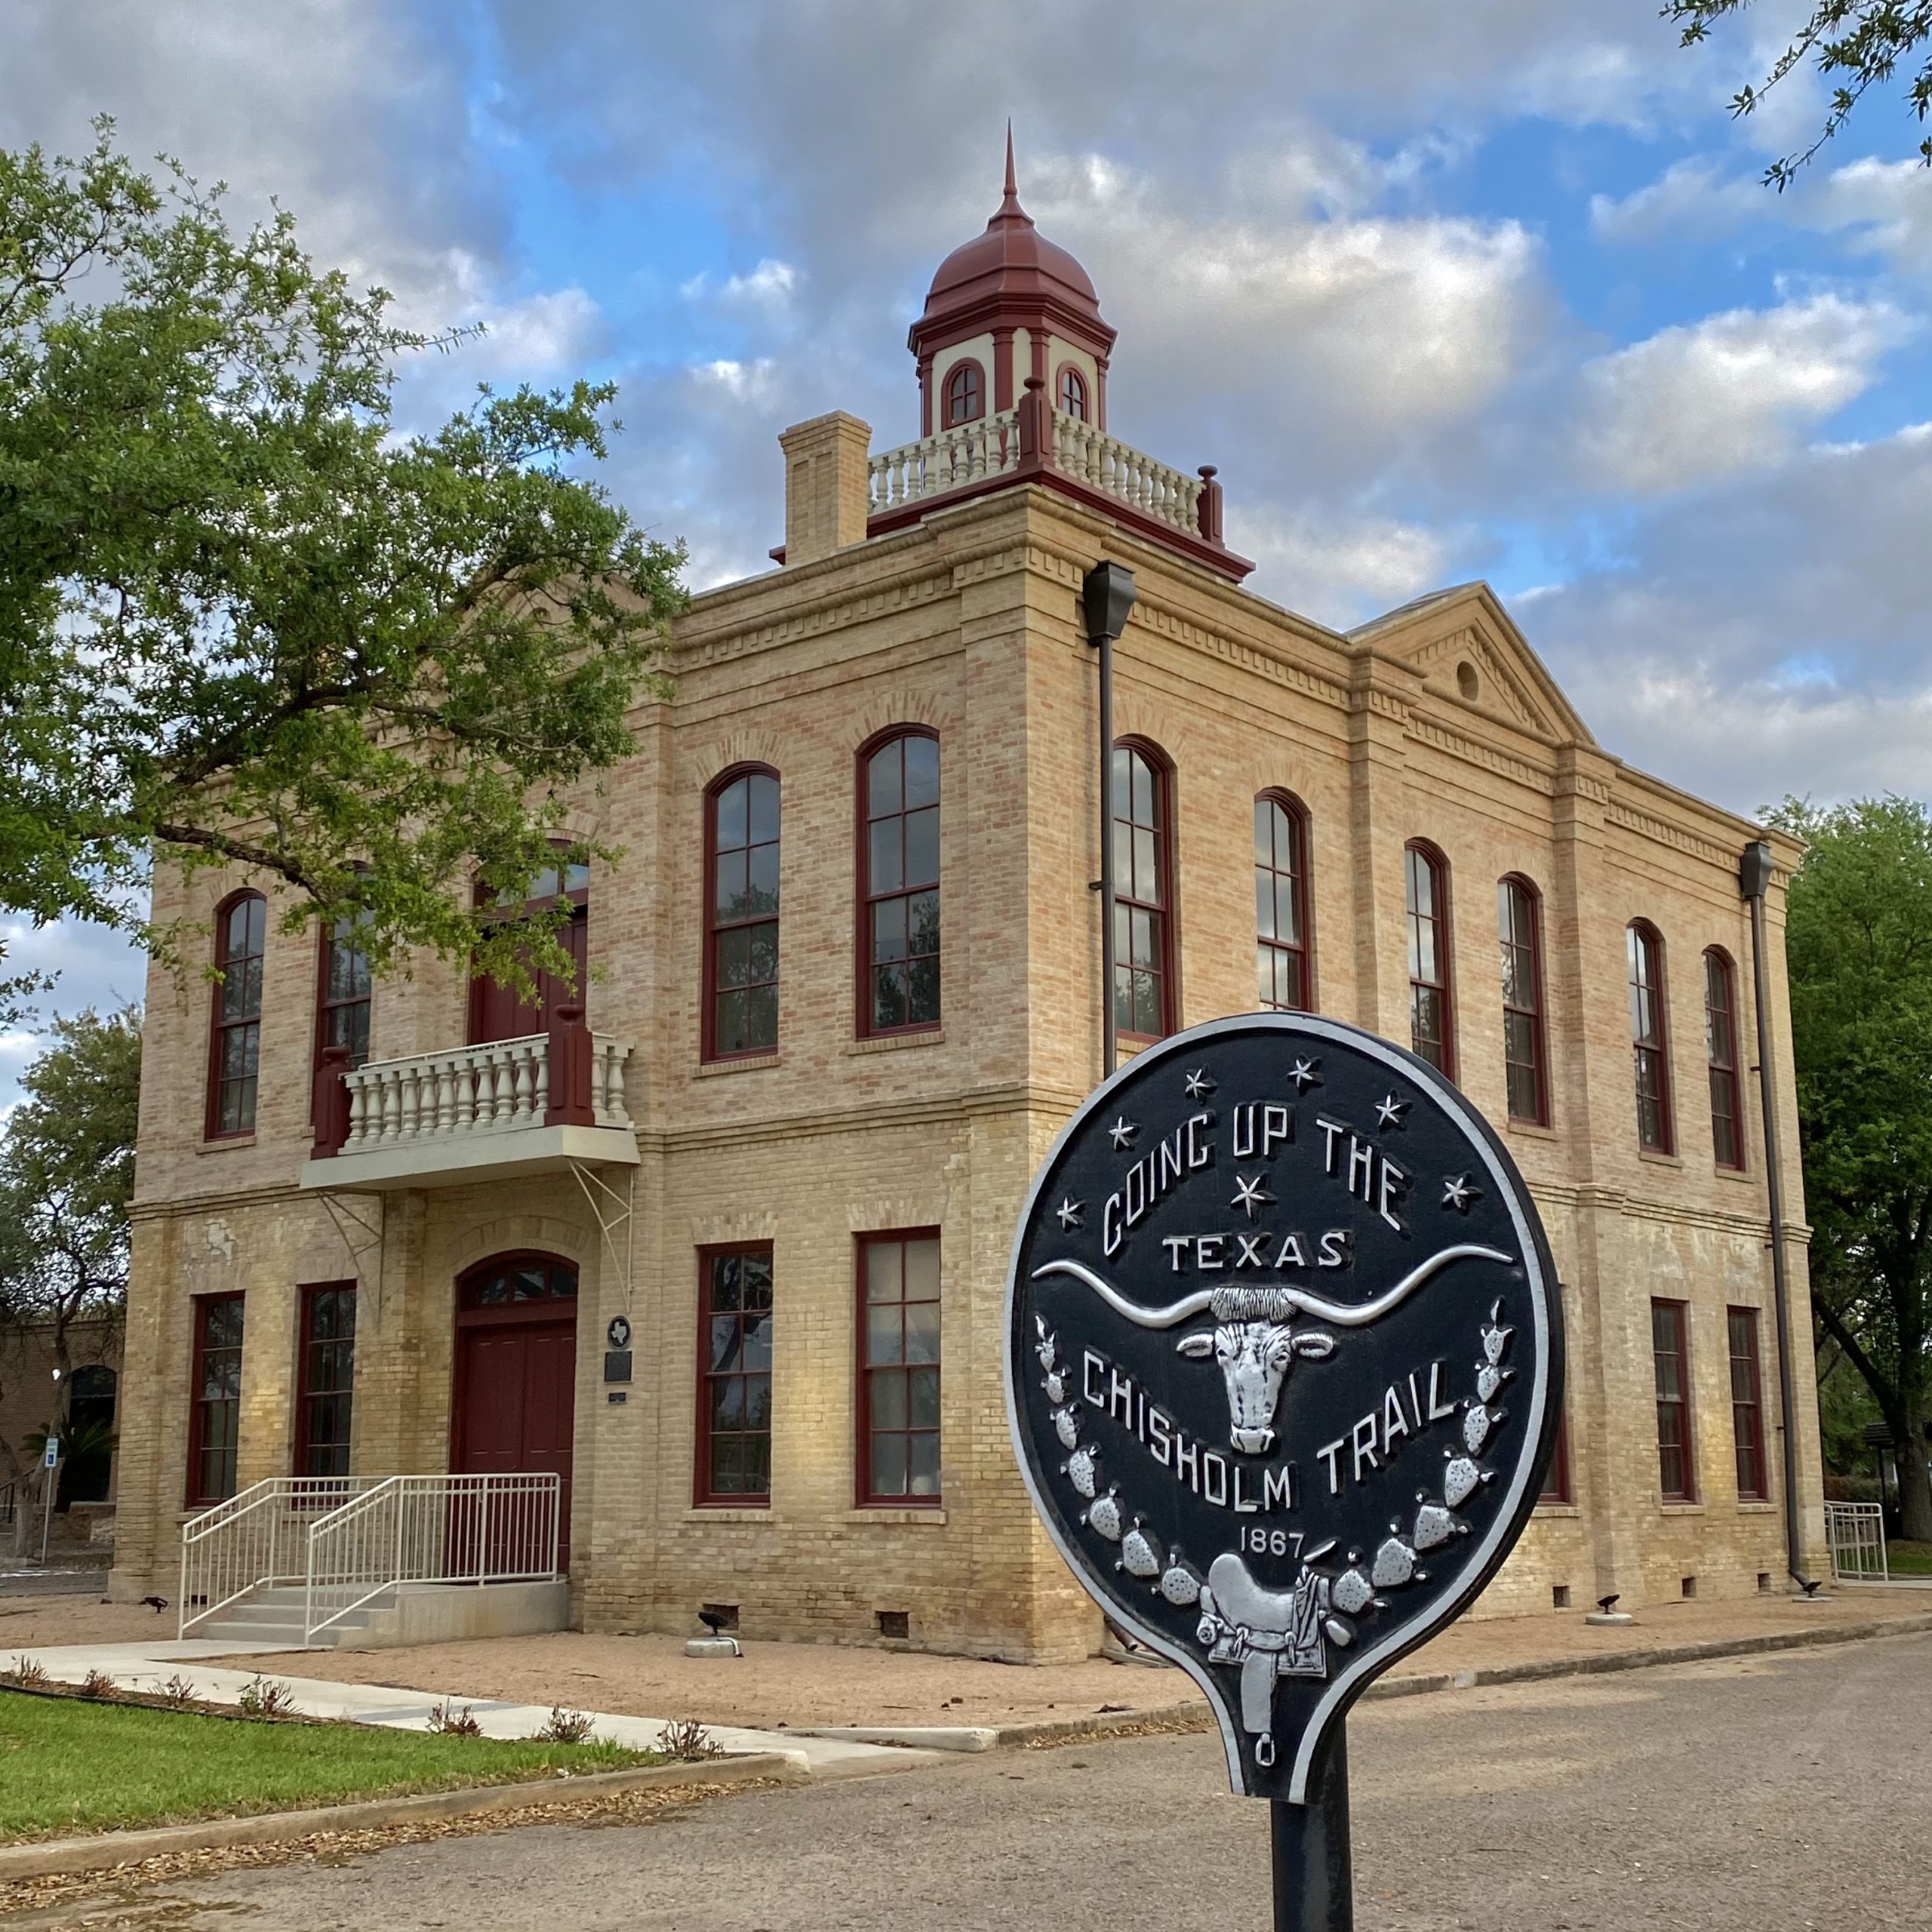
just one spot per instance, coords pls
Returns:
(1007, 305)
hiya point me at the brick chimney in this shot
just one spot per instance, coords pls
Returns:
(826, 488)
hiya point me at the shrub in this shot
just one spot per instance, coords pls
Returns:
(567, 1726)
(447, 1721)
(177, 1691)
(98, 1684)
(688, 1739)
(28, 1672)
(266, 1697)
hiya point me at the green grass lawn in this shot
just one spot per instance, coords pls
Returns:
(69, 1766)
(1910, 1559)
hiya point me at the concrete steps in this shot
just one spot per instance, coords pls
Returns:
(409, 1613)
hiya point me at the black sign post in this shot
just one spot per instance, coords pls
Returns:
(1284, 1359)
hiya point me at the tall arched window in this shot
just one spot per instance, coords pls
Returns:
(343, 994)
(1283, 982)
(1648, 1038)
(1519, 927)
(1426, 875)
(741, 929)
(965, 394)
(1072, 395)
(899, 976)
(1144, 1004)
(240, 933)
(1721, 1051)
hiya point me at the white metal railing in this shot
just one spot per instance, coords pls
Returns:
(953, 458)
(430, 1529)
(488, 1089)
(1855, 1533)
(257, 1538)
(1106, 464)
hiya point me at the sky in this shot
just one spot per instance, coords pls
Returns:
(1492, 290)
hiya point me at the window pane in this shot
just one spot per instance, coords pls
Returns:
(762, 894)
(922, 848)
(734, 956)
(723, 1342)
(882, 791)
(921, 772)
(889, 930)
(733, 814)
(891, 996)
(758, 1027)
(922, 1397)
(922, 1331)
(762, 954)
(886, 871)
(726, 1280)
(727, 898)
(755, 1272)
(884, 1276)
(733, 1027)
(888, 1396)
(764, 790)
(921, 1270)
(924, 1472)
(754, 1347)
(888, 1460)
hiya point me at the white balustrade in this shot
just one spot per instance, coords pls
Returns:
(493, 1088)
(991, 447)
(1106, 464)
(949, 461)
(255, 1540)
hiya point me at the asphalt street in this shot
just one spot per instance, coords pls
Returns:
(1771, 1792)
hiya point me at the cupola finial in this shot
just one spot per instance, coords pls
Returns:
(1009, 202)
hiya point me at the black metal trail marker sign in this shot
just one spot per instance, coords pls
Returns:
(1284, 1363)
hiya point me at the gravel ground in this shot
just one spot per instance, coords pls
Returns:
(1749, 1795)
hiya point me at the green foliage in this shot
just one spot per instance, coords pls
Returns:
(1858, 942)
(244, 620)
(1854, 45)
(78, 1766)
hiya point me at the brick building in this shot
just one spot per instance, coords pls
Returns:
(844, 990)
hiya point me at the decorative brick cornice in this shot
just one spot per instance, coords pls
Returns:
(1679, 839)
(1489, 757)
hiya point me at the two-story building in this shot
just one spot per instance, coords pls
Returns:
(727, 1253)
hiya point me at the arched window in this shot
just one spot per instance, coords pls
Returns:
(1072, 393)
(1426, 874)
(240, 933)
(1519, 927)
(1648, 1039)
(343, 992)
(1144, 1004)
(1283, 982)
(899, 976)
(965, 394)
(1721, 1051)
(741, 931)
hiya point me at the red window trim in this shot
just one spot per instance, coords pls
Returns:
(1060, 374)
(212, 1129)
(1762, 1493)
(324, 1006)
(578, 901)
(707, 995)
(552, 1308)
(1642, 934)
(702, 1496)
(1433, 856)
(862, 1397)
(948, 419)
(304, 1388)
(1557, 1477)
(197, 1308)
(1716, 955)
(1539, 1028)
(1298, 814)
(1680, 1313)
(861, 985)
(1169, 911)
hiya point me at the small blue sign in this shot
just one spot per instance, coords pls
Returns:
(52, 1455)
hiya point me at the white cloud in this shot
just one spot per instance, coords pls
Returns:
(1691, 199)
(771, 286)
(1339, 569)
(1731, 392)
(1888, 205)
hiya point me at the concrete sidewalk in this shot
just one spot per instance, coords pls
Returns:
(148, 1667)
(777, 1692)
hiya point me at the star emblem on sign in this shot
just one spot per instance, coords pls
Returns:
(1197, 1084)
(1458, 1194)
(1250, 1195)
(1389, 1112)
(1069, 1212)
(1122, 1132)
(1303, 1075)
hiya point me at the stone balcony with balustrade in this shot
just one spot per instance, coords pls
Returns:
(1035, 443)
(537, 1104)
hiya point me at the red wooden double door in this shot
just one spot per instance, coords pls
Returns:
(515, 1397)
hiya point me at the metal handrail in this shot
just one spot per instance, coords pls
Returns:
(1855, 1533)
(257, 1537)
(429, 1529)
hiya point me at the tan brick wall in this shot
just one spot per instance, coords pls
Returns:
(968, 624)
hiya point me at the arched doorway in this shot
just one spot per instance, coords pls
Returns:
(87, 1470)
(515, 1390)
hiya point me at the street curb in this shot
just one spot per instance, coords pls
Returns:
(1196, 1715)
(56, 1858)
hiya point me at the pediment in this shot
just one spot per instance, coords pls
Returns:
(1471, 655)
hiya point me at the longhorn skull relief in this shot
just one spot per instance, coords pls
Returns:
(1254, 1340)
